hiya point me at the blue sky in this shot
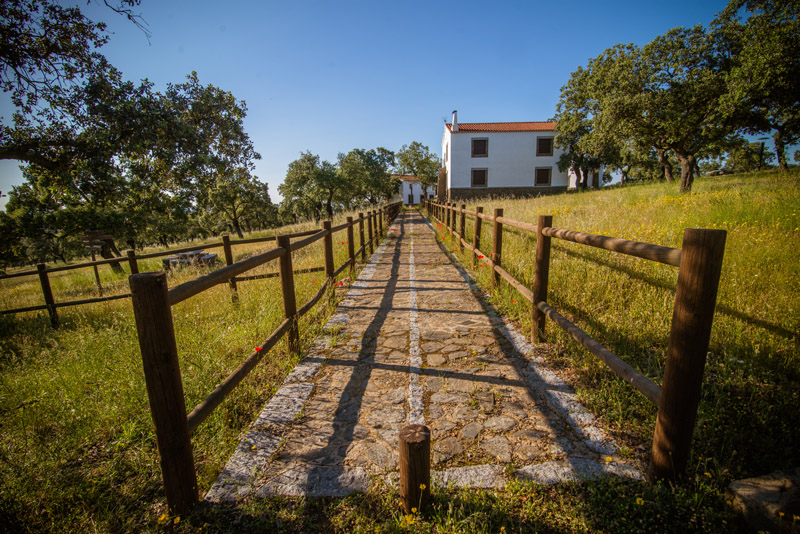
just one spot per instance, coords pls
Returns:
(332, 76)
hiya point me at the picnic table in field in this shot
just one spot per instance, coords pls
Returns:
(195, 257)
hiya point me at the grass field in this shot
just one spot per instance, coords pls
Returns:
(77, 447)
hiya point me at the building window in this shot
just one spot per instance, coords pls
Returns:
(544, 146)
(542, 176)
(480, 148)
(480, 177)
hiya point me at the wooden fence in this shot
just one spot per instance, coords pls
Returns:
(699, 262)
(152, 302)
(132, 259)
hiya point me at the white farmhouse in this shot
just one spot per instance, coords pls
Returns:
(411, 190)
(502, 158)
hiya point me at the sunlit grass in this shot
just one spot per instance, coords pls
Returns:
(747, 422)
(78, 449)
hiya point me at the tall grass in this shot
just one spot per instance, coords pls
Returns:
(78, 451)
(748, 421)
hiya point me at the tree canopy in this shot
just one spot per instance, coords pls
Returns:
(686, 95)
(102, 152)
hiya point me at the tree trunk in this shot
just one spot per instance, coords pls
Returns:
(664, 160)
(107, 252)
(238, 228)
(687, 162)
(578, 177)
(780, 149)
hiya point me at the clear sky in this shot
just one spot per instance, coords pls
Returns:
(332, 76)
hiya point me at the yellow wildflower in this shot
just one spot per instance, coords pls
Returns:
(422, 487)
(639, 501)
(163, 519)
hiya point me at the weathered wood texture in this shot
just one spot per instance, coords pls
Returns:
(289, 299)
(414, 443)
(350, 245)
(328, 248)
(497, 245)
(47, 292)
(226, 245)
(692, 318)
(151, 308)
(670, 256)
(362, 244)
(540, 278)
(476, 235)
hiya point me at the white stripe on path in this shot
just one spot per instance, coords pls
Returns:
(416, 407)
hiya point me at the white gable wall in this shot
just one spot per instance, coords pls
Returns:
(511, 161)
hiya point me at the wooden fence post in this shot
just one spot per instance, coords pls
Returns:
(497, 246)
(328, 246)
(369, 232)
(461, 224)
(476, 235)
(97, 275)
(361, 237)
(48, 294)
(289, 299)
(381, 213)
(447, 215)
(540, 278)
(162, 375)
(132, 261)
(226, 244)
(351, 254)
(414, 444)
(692, 317)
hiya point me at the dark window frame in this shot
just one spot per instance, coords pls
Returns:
(485, 177)
(552, 146)
(536, 176)
(472, 147)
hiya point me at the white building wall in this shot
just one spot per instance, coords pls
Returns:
(416, 189)
(511, 161)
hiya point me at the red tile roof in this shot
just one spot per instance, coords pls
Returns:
(541, 126)
(406, 178)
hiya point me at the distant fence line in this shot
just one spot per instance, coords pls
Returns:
(132, 259)
(699, 262)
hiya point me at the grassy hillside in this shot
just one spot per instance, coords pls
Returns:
(748, 422)
(77, 451)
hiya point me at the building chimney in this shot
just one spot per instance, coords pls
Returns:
(455, 121)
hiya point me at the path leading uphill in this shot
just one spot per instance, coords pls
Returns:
(412, 342)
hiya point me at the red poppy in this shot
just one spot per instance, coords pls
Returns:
(480, 257)
(258, 349)
(513, 301)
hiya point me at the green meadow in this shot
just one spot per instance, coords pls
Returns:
(78, 453)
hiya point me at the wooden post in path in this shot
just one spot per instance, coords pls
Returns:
(48, 294)
(461, 226)
(476, 235)
(287, 289)
(497, 246)
(351, 251)
(132, 261)
(361, 236)
(162, 375)
(415, 467)
(226, 244)
(328, 246)
(369, 232)
(540, 278)
(692, 317)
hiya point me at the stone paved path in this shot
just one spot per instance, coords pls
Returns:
(411, 342)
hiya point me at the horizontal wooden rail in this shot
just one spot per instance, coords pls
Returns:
(342, 267)
(92, 300)
(177, 251)
(339, 228)
(524, 291)
(276, 274)
(528, 227)
(305, 308)
(204, 409)
(21, 310)
(669, 256)
(188, 289)
(297, 245)
(642, 384)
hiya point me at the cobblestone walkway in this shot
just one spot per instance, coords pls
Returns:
(411, 342)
